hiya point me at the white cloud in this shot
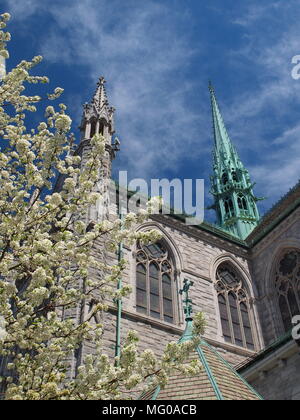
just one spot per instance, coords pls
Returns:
(142, 52)
(255, 12)
(268, 110)
(23, 9)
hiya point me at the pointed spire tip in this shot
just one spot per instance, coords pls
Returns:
(210, 86)
(100, 97)
(101, 81)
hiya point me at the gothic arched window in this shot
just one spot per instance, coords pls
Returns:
(93, 127)
(242, 202)
(235, 176)
(229, 208)
(234, 307)
(155, 282)
(287, 283)
(101, 127)
(225, 178)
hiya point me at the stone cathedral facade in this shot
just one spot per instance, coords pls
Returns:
(245, 269)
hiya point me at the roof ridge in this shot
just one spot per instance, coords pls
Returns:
(280, 201)
(285, 338)
(216, 382)
(210, 374)
(232, 369)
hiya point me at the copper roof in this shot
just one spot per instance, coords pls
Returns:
(217, 380)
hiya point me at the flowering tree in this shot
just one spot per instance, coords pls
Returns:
(46, 256)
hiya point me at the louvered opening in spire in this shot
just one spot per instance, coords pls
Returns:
(98, 115)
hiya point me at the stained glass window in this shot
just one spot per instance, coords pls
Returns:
(287, 284)
(155, 282)
(234, 307)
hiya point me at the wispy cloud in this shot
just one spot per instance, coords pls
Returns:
(141, 50)
(256, 11)
(284, 162)
(23, 9)
(264, 118)
(147, 50)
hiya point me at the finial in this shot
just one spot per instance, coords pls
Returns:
(188, 303)
(100, 98)
(102, 81)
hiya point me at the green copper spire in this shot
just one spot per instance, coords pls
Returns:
(235, 202)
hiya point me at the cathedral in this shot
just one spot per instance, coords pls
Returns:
(243, 273)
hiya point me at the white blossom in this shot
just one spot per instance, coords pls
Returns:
(38, 295)
(63, 122)
(47, 253)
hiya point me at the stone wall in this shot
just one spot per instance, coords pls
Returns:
(197, 254)
(264, 256)
(280, 383)
(277, 376)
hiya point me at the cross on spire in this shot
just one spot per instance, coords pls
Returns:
(101, 81)
(188, 303)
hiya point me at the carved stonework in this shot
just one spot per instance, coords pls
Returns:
(98, 115)
(236, 283)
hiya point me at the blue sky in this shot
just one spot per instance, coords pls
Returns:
(157, 57)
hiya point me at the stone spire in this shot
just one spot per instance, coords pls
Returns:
(98, 115)
(100, 97)
(98, 118)
(235, 203)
